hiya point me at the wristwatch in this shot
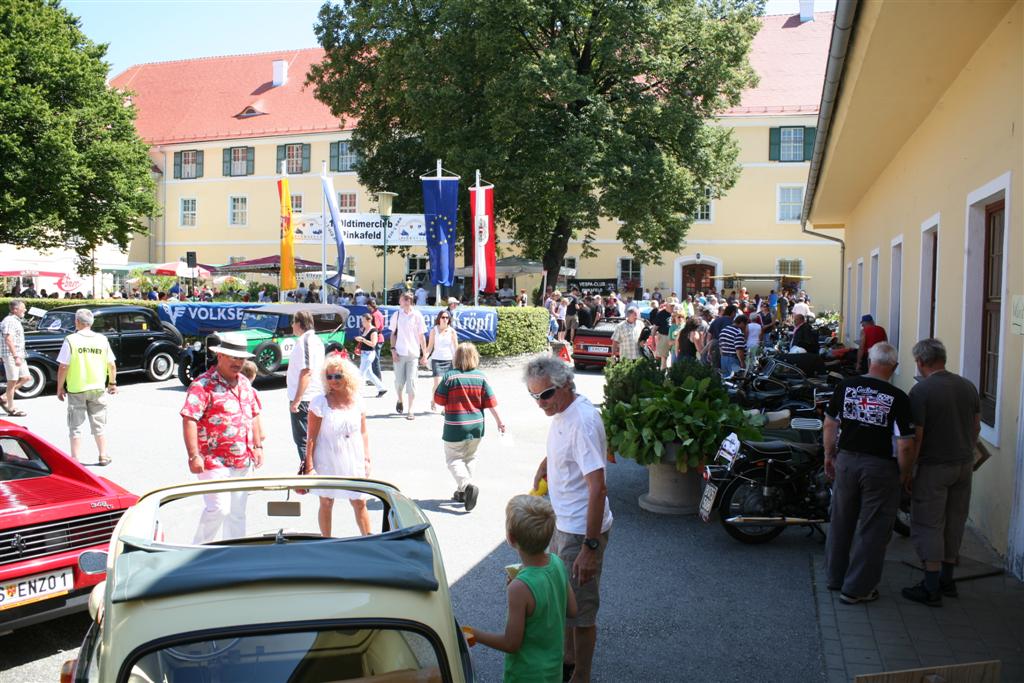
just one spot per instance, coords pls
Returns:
(592, 543)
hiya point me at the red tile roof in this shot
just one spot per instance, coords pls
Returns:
(197, 100)
(790, 59)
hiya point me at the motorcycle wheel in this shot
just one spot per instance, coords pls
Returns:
(738, 499)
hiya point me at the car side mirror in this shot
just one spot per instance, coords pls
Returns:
(93, 562)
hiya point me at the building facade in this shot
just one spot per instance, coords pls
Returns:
(921, 168)
(219, 129)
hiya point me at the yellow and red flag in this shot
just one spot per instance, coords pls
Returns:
(287, 237)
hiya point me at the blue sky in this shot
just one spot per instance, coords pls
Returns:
(140, 31)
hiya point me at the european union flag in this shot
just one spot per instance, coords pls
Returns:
(440, 210)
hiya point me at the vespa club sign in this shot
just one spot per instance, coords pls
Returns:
(404, 229)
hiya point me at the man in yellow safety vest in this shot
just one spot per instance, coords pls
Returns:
(86, 361)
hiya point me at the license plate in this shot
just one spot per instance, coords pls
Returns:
(707, 500)
(598, 349)
(36, 587)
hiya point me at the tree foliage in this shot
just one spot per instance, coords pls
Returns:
(73, 171)
(575, 109)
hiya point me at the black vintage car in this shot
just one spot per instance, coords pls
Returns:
(141, 342)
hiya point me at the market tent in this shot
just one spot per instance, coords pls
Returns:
(267, 264)
(180, 269)
(749, 277)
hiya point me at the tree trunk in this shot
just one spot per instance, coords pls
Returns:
(557, 247)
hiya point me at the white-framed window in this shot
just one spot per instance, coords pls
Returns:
(860, 289)
(414, 262)
(569, 262)
(293, 157)
(790, 266)
(350, 265)
(239, 160)
(848, 313)
(895, 290)
(187, 213)
(928, 283)
(346, 156)
(873, 291)
(630, 273)
(296, 202)
(238, 211)
(347, 202)
(792, 144)
(188, 163)
(704, 214)
(789, 203)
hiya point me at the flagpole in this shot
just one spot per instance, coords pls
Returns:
(437, 287)
(476, 237)
(280, 269)
(323, 240)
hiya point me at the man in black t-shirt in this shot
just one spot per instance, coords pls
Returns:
(866, 413)
(661, 319)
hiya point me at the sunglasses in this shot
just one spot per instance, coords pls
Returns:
(334, 375)
(544, 395)
(444, 317)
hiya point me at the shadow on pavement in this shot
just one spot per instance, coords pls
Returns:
(445, 505)
(44, 640)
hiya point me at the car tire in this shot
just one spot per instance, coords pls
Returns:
(160, 366)
(185, 374)
(267, 357)
(173, 332)
(36, 385)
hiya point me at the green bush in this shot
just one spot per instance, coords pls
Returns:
(644, 411)
(520, 330)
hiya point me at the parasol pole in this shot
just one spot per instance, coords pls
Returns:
(323, 241)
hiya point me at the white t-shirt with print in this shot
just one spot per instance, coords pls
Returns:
(298, 361)
(576, 447)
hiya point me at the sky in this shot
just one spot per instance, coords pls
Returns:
(139, 31)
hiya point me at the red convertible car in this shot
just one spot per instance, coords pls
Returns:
(51, 510)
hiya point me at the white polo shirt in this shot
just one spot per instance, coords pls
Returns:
(576, 447)
(308, 352)
(407, 330)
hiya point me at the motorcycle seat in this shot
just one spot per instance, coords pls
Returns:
(782, 450)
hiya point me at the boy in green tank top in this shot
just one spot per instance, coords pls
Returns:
(539, 597)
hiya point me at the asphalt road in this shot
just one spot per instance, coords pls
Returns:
(681, 600)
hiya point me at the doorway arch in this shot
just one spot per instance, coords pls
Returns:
(716, 266)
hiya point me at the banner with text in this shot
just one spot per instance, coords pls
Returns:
(194, 319)
(404, 229)
(477, 325)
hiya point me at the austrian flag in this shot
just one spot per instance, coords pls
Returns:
(482, 201)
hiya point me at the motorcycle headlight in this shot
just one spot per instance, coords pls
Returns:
(198, 346)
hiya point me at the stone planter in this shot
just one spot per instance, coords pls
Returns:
(671, 492)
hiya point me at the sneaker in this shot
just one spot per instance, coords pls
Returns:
(856, 600)
(459, 497)
(920, 593)
(471, 493)
(948, 589)
(567, 671)
(399, 408)
(381, 392)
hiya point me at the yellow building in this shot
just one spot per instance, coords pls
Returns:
(920, 163)
(219, 127)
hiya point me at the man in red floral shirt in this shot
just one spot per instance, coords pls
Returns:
(218, 426)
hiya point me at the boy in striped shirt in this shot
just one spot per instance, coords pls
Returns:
(464, 394)
(732, 345)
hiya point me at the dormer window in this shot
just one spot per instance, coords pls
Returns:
(249, 111)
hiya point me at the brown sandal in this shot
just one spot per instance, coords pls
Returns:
(13, 412)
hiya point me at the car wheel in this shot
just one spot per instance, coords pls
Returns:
(36, 383)
(185, 374)
(267, 357)
(160, 366)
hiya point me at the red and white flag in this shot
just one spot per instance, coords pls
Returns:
(482, 201)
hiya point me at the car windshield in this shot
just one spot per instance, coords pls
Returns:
(18, 460)
(385, 653)
(57, 321)
(261, 321)
(264, 515)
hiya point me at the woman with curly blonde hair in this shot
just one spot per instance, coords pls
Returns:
(338, 443)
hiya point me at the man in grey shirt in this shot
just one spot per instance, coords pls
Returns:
(947, 416)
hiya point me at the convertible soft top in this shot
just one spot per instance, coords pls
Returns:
(396, 559)
(292, 309)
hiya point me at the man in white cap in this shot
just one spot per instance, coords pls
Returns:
(218, 426)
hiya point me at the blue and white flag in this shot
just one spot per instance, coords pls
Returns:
(440, 209)
(331, 201)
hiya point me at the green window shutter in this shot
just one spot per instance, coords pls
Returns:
(809, 133)
(177, 164)
(282, 154)
(250, 160)
(227, 162)
(334, 156)
(774, 144)
(199, 164)
(305, 158)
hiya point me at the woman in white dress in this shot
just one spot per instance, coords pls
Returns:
(337, 443)
(441, 348)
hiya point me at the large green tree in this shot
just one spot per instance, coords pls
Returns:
(73, 171)
(575, 109)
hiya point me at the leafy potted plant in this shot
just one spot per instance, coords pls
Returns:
(672, 424)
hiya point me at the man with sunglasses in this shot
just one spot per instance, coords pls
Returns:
(574, 468)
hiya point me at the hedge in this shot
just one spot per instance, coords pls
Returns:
(520, 330)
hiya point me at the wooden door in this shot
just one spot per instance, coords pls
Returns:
(697, 278)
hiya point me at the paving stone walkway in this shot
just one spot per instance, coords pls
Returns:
(985, 622)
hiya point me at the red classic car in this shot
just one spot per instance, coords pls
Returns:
(51, 510)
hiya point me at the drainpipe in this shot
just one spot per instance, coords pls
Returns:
(842, 29)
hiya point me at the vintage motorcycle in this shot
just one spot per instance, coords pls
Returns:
(762, 487)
